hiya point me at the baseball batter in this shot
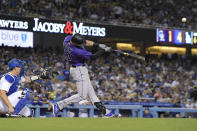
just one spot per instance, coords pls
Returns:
(76, 55)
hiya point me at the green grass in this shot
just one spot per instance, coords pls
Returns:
(97, 124)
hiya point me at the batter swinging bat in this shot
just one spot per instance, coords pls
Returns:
(129, 54)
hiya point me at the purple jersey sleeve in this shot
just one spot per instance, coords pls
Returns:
(84, 54)
(68, 38)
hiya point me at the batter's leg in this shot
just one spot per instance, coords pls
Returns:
(101, 107)
(65, 102)
(82, 88)
(91, 93)
(94, 99)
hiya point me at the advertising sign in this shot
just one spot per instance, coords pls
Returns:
(16, 38)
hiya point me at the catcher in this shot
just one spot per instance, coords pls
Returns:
(12, 100)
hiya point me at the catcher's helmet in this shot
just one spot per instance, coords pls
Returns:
(15, 63)
(78, 39)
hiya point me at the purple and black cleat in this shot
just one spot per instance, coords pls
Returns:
(110, 113)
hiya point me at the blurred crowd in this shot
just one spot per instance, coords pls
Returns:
(165, 78)
(165, 13)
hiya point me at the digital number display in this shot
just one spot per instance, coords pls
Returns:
(177, 37)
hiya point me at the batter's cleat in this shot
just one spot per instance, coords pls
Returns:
(109, 114)
(56, 110)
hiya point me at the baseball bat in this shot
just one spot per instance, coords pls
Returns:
(129, 54)
(124, 53)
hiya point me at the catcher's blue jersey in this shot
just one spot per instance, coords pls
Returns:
(75, 55)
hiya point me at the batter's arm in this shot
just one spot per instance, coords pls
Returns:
(96, 45)
(97, 54)
(89, 43)
(93, 44)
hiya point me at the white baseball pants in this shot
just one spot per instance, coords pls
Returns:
(14, 99)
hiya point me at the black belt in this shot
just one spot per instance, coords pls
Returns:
(77, 65)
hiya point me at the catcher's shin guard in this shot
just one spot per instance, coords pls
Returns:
(101, 107)
(25, 96)
(20, 106)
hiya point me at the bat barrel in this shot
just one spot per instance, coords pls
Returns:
(129, 54)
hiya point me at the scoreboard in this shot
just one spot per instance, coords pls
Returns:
(177, 37)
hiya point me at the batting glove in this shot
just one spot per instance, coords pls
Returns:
(102, 46)
(107, 49)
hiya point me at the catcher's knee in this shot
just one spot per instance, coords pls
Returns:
(100, 107)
